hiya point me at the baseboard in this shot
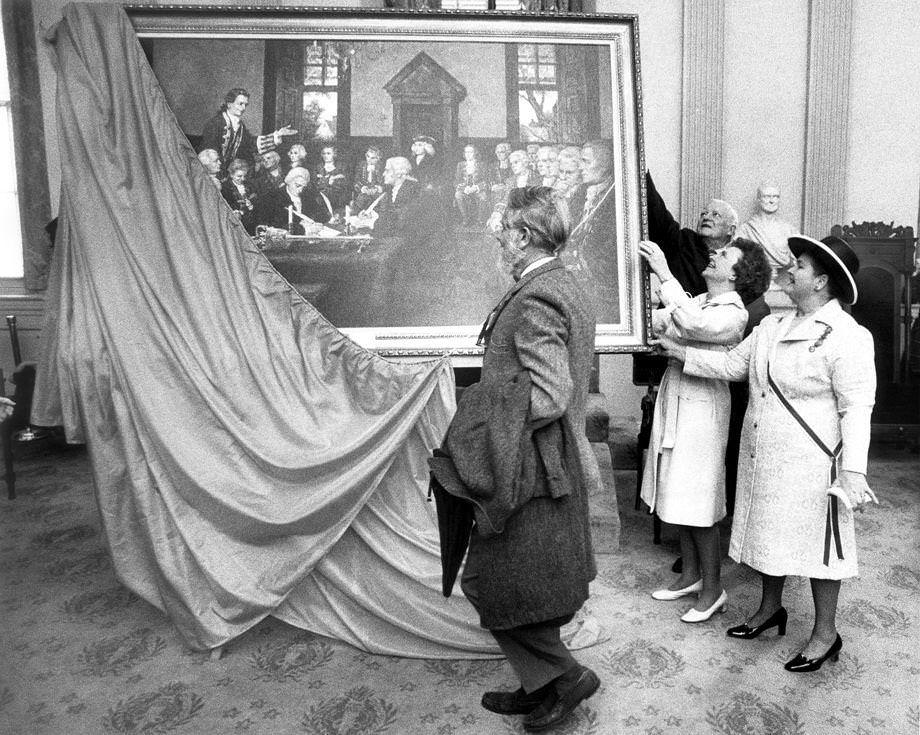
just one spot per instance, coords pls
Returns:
(896, 432)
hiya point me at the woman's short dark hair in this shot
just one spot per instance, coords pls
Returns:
(233, 94)
(536, 209)
(752, 271)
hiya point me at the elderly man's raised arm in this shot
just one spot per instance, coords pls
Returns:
(663, 229)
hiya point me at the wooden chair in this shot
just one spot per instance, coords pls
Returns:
(16, 429)
(647, 370)
(886, 264)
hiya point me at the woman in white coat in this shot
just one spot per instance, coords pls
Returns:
(804, 446)
(684, 480)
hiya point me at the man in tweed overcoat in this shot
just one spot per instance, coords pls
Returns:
(530, 579)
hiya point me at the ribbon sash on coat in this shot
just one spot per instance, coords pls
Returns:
(832, 524)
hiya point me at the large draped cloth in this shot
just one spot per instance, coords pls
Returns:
(249, 459)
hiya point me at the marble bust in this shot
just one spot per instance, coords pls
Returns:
(768, 229)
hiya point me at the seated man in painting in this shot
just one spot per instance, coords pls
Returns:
(533, 155)
(239, 193)
(471, 188)
(568, 171)
(297, 156)
(269, 175)
(294, 207)
(368, 180)
(211, 161)
(331, 181)
(398, 208)
(592, 242)
(547, 164)
(426, 168)
(521, 176)
(499, 170)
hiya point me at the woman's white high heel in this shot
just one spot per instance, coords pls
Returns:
(700, 616)
(667, 594)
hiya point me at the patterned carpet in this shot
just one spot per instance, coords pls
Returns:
(82, 655)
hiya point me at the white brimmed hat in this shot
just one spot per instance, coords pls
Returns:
(837, 258)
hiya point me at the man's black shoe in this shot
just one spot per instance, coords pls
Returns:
(561, 701)
(513, 703)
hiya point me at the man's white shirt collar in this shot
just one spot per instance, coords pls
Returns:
(536, 264)
(234, 121)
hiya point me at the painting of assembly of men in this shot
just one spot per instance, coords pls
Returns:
(458, 124)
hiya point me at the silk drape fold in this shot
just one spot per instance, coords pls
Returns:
(249, 459)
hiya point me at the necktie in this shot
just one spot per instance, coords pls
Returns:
(485, 333)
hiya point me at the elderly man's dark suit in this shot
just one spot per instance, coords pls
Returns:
(531, 578)
(685, 249)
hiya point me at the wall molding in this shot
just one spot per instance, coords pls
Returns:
(827, 118)
(702, 102)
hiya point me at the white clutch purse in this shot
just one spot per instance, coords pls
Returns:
(838, 492)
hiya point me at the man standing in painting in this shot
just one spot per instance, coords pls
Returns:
(530, 556)
(592, 243)
(226, 132)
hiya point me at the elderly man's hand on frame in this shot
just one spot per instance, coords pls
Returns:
(656, 259)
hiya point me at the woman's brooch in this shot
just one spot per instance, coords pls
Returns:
(818, 342)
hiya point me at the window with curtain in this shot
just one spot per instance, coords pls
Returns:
(538, 92)
(320, 90)
(11, 261)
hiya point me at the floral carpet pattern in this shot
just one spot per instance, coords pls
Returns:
(83, 655)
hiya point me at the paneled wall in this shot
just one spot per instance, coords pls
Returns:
(883, 166)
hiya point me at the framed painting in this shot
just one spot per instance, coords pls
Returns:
(413, 128)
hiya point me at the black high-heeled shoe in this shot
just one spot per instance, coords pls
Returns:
(801, 665)
(746, 632)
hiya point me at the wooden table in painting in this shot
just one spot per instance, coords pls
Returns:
(348, 278)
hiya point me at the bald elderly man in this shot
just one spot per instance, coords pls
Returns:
(686, 250)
